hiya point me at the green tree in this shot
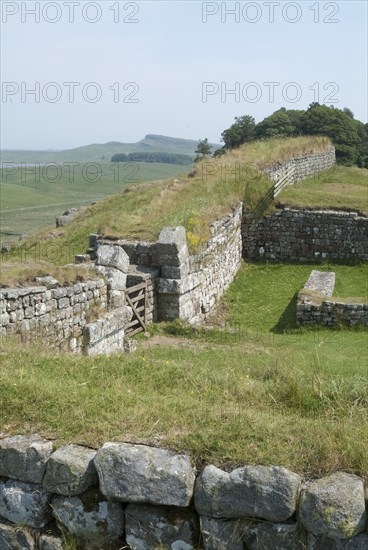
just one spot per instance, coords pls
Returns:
(276, 125)
(339, 126)
(203, 148)
(240, 132)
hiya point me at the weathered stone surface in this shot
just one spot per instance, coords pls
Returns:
(359, 542)
(14, 537)
(275, 536)
(173, 235)
(24, 457)
(110, 323)
(113, 256)
(136, 473)
(24, 503)
(70, 471)
(107, 335)
(47, 281)
(149, 527)
(218, 534)
(322, 282)
(334, 506)
(116, 279)
(89, 516)
(68, 216)
(49, 542)
(267, 492)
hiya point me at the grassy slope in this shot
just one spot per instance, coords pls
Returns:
(194, 203)
(341, 186)
(28, 206)
(253, 396)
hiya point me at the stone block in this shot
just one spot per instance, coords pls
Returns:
(24, 503)
(334, 506)
(90, 516)
(322, 282)
(138, 473)
(24, 457)
(15, 537)
(49, 542)
(173, 235)
(218, 534)
(149, 527)
(267, 492)
(70, 470)
(278, 536)
(113, 256)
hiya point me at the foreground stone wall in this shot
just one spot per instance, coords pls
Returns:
(301, 235)
(56, 313)
(145, 498)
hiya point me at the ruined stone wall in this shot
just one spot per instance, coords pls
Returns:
(191, 289)
(300, 235)
(303, 167)
(87, 317)
(331, 312)
(316, 306)
(143, 498)
(187, 286)
(57, 314)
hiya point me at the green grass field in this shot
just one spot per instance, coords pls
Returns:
(341, 187)
(31, 201)
(256, 390)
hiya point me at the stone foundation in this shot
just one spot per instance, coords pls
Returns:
(313, 308)
(145, 498)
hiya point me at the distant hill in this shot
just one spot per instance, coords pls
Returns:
(104, 151)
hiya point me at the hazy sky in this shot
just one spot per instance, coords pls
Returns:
(115, 71)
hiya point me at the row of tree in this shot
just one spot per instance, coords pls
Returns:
(167, 158)
(349, 136)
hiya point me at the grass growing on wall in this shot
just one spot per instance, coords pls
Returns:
(244, 394)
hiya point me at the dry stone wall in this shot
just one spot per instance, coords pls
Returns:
(313, 308)
(300, 235)
(56, 313)
(145, 498)
(302, 167)
(88, 317)
(185, 286)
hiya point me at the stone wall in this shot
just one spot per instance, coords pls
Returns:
(145, 498)
(191, 287)
(300, 235)
(313, 308)
(56, 313)
(89, 317)
(302, 167)
(186, 286)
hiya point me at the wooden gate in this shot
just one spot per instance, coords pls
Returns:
(136, 297)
